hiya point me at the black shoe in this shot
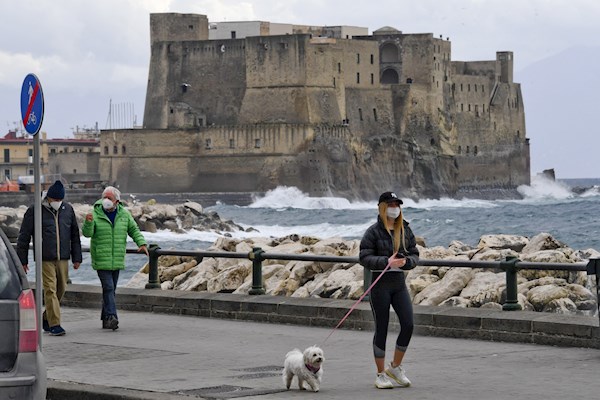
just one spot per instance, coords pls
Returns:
(112, 323)
(57, 331)
(45, 325)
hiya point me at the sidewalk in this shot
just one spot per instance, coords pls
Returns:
(161, 356)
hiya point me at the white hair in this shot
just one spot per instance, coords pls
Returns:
(111, 189)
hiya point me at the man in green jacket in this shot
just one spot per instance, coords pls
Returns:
(108, 226)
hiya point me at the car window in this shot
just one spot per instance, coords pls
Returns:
(10, 284)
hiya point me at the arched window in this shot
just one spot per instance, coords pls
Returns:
(389, 76)
(105, 150)
(123, 150)
(389, 53)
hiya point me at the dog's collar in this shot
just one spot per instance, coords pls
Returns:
(312, 369)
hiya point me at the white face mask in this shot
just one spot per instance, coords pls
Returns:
(107, 204)
(55, 204)
(393, 212)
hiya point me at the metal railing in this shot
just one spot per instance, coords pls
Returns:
(511, 265)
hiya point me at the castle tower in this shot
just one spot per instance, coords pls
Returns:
(174, 27)
(505, 58)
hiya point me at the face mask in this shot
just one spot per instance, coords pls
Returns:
(107, 204)
(393, 212)
(55, 204)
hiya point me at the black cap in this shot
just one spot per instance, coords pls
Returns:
(389, 197)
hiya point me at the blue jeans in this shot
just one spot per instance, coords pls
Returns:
(108, 279)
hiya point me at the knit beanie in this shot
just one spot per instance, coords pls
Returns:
(56, 191)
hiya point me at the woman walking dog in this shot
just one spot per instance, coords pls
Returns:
(390, 241)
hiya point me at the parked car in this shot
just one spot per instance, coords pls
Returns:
(22, 365)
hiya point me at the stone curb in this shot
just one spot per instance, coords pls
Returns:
(465, 323)
(58, 390)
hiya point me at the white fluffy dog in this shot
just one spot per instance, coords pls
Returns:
(307, 366)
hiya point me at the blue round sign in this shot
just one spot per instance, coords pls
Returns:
(32, 104)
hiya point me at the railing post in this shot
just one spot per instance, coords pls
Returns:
(509, 265)
(593, 268)
(257, 282)
(153, 282)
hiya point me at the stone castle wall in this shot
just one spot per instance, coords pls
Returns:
(329, 115)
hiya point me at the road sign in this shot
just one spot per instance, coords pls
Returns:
(32, 104)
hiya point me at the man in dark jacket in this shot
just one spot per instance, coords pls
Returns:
(60, 242)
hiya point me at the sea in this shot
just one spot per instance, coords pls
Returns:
(567, 209)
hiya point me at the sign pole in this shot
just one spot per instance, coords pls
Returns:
(37, 239)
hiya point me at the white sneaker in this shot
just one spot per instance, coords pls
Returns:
(383, 382)
(398, 375)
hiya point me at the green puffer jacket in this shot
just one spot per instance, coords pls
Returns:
(108, 242)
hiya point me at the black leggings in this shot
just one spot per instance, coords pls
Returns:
(391, 290)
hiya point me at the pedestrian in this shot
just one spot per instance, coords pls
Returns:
(390, 241)
(60, 242)
(108, 226)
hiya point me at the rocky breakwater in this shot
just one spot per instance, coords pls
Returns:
(548, 291)
(150, 217)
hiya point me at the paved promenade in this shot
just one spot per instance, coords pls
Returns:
(164, 356)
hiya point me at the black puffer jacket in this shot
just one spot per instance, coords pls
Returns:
(60, 234)
(377, 245)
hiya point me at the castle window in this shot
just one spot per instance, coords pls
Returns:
(372, 59)
(257, 143)
(231, 143)
(475, 150)
(334, 81)
(459, 149)
(123, 150)
(208, 145)
(390, 76)
(375, 114)
(358, 77)
(469, 107)
(171, 111)
(74, 171)
(477, 109)
(339, 67)
(360, 116)
(494, 125)
(482, 89)
(115, 150)
(233, 34)
(105, 150)
(372, 79)
(357, 58)
(389, 53)
(461, 87)
(432, 142)
(467, 149)
(191, 27)
(462, 107)
(483, 108)
(469, 87)
(475, 86)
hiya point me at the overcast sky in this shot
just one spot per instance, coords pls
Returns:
(87, 53)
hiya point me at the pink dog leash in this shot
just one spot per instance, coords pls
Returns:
(358, 301)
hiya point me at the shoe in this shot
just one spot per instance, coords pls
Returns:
(111, 323)
(45, 325)
(383, 382)
(57, 330)
(105, 324)
(398, 375)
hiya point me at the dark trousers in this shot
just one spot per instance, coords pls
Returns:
(109, 280)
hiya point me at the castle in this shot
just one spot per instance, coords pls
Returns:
(249, 106)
